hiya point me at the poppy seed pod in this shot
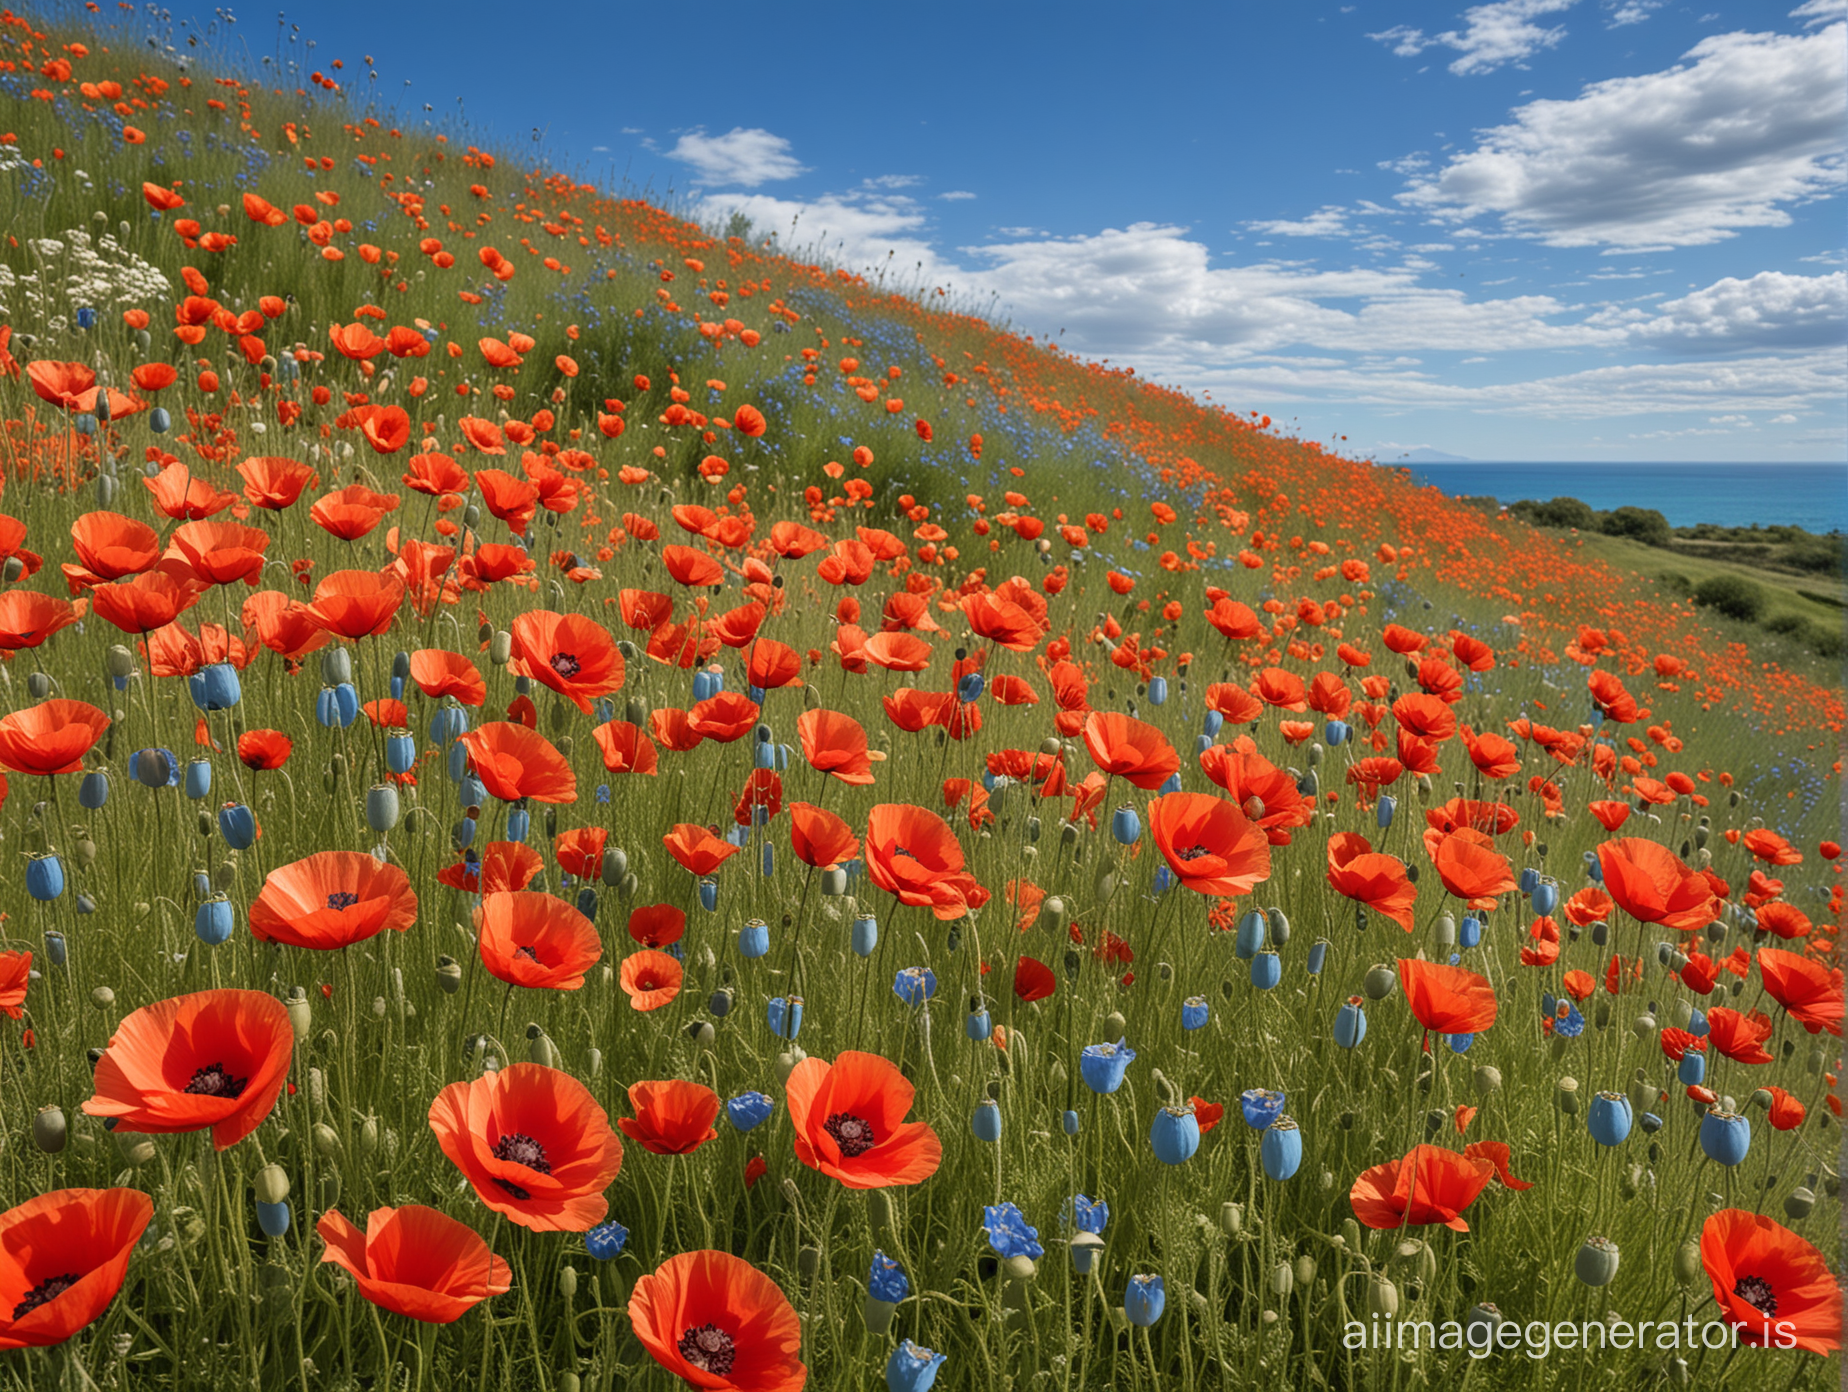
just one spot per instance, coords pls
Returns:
(865, 935)
(1609, 1118)
(1382, 814)
(448, 975)
(1125, 825)
(1085, 1248)
(1596, 1262)
(500, 648)
(1545, 897)
(213, 922)
(1252, 926)
(56, 950)
(1281, 1149)
(1266, 970)
(1350, 1024)
(1069, 1123)
(1566, 1096)
(1382, 1297)
(44, 877)
(986, 1123)
(784, 1016)
(50, 1131)
(336, 666)
(1798, 1203)
(1283, 1279)
(1725, 1136)
(754, 939)
(382, 810)
(1380, 982)
(1175, 1135)
(1054, 913)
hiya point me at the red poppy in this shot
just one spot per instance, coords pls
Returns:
(63, 1257)
(696, 848)
(1033, 979)
(504, 866)
(1650, 883)
(1430, 1185)
(275, 483)
(439, 674)
(180, 496)
(1611, 814)
(849, 1118)
(650, 979)
(1367, 877)
(1128, 748)
(28, 618)
(1739, 1036)
(1266, 794)
(347, 514)
(626, 749)
(657, 925)
(836, 744)
(819, 838)
(434, 474)
(333, 899)
(1497, 1154)
(1472, 870)
(1209, 844)
(671, 1117)
(1002, 621)
(214, 1058)
(534, 1144)
(356, 603)
(1425, 716)
(1771, 1285)
(715, 1321)
(264, 750)
(51, 737)
(1490, 818)
(514, 762)
(1493, 756)
(690, 567)
(111, 546)
(536, 940)
(1449, 1000)
(1235, 703)
(415, 1262)
(146, 602)
(386, 428)
(15, 973)
(1276, 687)
(573, 655)
(1234, 621)
(219, 553)
(725, 717)
(1786, 1112)
(1811, 992)
(913, 854)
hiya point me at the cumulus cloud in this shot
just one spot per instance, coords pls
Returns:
(1491, 37)
(743, 157)
(1324, 222)
(1627, 12)
(1746, 126)
(1770, 310)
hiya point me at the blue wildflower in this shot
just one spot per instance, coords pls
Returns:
(887, 1281)
(749, 1109)
(1089, 1215)
(606, 1240)
(1008, 1232)
(1103, 1065)
(1261, 1106)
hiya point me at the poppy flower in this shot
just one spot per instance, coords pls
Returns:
(28, 618)
(1811, 992)
(1429, 1185)
(1128, 748)
(650, 979)
(434, 475)
(514, 762)
(386, 428)
(346, 514)
(1449, 1000)
(1426, 716)
(536, 940)
(1471, 870)
(61, 383)
(15, 973)
(415, 1262)
(1235, 622)
(219, 553)
(213, 1058)
(690, 567)
(626, 749)
(1497, 1154)
(51, 737)
(1033, 979)
(1235, 703)
(1652, 885)
(182, 497)
(356, 603)
(1367, 877)
(1610, 814)
(1774, 1287)
(333, 899)
(146, 602)
(439, 674)
(819, 838)
(849, 1118)
(715, 1321)
(1738, 1035)
(698, 849)
(1266, 794)
(836, 744)
(657, 925)
(725, 717)
(111, 546)
(573, 655)
(671, 1117)
(644, 609)
(1001, 621)
(534, 1144)
(913, 854)
(1276, 687)
(1209, 844)
(63, 1257)
(504, 867)
(897, 652)
(264, 750)
(275, 483)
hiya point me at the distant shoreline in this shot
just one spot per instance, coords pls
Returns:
(1813, 497)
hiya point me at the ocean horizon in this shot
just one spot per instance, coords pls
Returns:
(1811, 496)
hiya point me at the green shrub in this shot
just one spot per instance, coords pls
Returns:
(1732, 595)
(1639, 524)
(1785, 622)
(1560, 512)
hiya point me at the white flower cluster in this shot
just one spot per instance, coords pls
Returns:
(82, 271)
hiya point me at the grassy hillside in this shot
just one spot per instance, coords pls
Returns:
(527, 714)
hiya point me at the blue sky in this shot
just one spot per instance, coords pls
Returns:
(1528, 229)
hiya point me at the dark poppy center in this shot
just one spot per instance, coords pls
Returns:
(566, 664)
(215, 1080)
(1756, 1291)
(1190, 852)
(531, 954)
(44, 1293)
(340, 899)
(522, 1149)
(710, 1349)
(854, 1135)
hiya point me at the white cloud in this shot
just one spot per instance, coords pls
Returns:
(1749, 124)
(1814, 12)
(1324, 222)
(892, 181)
(744, 157)
(1770, 310)
(1493, 35)
(956, 195)
(1626, 12)
(858, 231)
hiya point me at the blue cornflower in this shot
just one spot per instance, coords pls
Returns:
(1567, 1022)
(915, 985)
(1008, 1232)
(1102, 1066)
(1089, 1215)
(606, 1240)
(748, 1109)
(887, 1281)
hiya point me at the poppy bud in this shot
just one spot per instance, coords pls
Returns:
(1175, 1135)
(134, 1147)
(784, 1015)
(1126, 825)
(1643, 1093)
(44, 877)
(55, 949)
(1567, 1096)
(1798, 1202)
(1069, 1123)
(1143, 1300)
(1380, 982)
(273, 1218)
(382, 807)
(1281, 1149)
(1692, 1070)
(786, 1062)
(1283, 1279)
(1019, 1268)
(1266, 970)
(1383, 812)
(336, 666)
(50, 1130)
(541, 1050)
(1609, 1118)
(1725, 1136)
(709, 894)
(1383, 1297)
(1250, 935)
(1103, 886)
(1350, 1024)
(1596, 1262)
(977, 1026)
(986, 1123)
(568, 1282)
(500, 648)
(593, 1060)
(213, 922)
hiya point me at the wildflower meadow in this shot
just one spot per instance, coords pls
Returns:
(589, 803)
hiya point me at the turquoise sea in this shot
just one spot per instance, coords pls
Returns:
(1811, 496)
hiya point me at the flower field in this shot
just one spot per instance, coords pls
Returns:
(588, 804)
